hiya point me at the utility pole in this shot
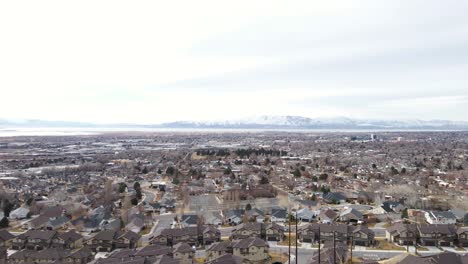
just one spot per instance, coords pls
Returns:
(415, 247)
(334, 247)
(296, 239)
(352, 242)
(319, 243)
(289, 238)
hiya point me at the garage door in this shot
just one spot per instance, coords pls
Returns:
(360, 243)
(430, 243)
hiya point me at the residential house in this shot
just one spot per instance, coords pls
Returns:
(441, 258)
(188, 220)
(3, 255)
(191, 235)
(255, 215)
(332, 253)
(393, 207)
(57, 223)
(334, 198)
(19, 213)
(437, 235)
(37, 223)
(327, 216)
(153, 250)
(274, 232)
(362, 236)
(314, 232)
(234, 216)
(34, 240)
(52, 255)
(6, 238)
(218, 249)
(213, 218)
(270, 232)
(305, 215)
(403, 234)
(252, 249)
(351, 215)
(68, 240)
(183, 252)
(136, 223)
(462, 235)
(108, 240)
(278, 215)
(439, 217)
(227, 259)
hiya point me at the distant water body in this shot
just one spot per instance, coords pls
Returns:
(68, 131)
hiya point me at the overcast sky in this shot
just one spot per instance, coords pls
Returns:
(158, 61)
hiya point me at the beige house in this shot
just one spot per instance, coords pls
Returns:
(253, 249)
(218, 249)
(184, 253)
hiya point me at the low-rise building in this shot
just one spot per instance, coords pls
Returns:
(253, 249)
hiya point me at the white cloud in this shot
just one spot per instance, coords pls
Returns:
(150, 62)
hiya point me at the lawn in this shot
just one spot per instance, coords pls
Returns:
(286, 241)
(278, 257)
(145, 231)
(17, 230)
(422, 249)
(199, 260)
(385, 245)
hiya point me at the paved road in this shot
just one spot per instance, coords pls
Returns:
(304, 254)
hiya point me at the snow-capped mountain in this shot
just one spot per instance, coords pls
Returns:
(261, 122)
(299, 122)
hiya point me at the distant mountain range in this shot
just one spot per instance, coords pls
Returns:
(261, 122)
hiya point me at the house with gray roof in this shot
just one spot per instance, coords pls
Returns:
(440, 217)
(252, 249)
(351, 215)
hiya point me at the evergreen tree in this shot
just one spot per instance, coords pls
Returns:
(404, 213)
(4, 223)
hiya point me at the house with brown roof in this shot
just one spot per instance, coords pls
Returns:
(109, 240)
(183, 252)
(191, 235)
(68, 240)
(3, 255)
(327, 216)
(403, 234)
(34, 240)
(6, 238)
(362, 236)
(52, 255)
(218, 249)
(437, 235)
(314, 232)
(227, 259)
(270, 232)
(331, 254)
(442, 258)
(462, 236)
(252, 249)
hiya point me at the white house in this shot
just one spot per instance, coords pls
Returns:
(437, 218)
(20, 213)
